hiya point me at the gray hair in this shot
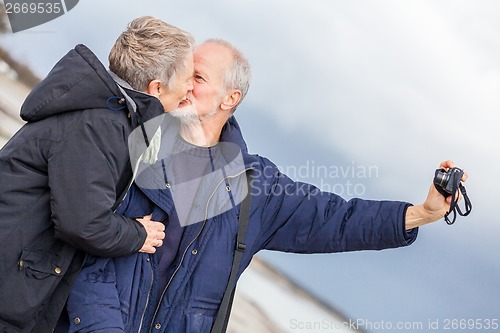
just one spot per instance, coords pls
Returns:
(148, 50)
(239, 75)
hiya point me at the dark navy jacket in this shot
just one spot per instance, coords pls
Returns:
(288, 216)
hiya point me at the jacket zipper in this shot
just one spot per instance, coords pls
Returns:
(187, 248)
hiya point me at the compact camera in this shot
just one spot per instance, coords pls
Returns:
(448, 182)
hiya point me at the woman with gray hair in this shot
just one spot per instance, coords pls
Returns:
(155, 57)
(64, 173)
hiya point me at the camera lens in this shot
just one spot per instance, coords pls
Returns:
(442, 178)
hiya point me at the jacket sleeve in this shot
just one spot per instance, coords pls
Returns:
(84, 169)
(299, 218)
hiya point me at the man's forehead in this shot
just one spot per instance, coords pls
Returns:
(210, 55)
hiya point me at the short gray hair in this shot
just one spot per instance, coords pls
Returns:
(239, 75)
(148, 50)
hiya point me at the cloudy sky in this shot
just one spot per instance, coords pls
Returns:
(379, 90)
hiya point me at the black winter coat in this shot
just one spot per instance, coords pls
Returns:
(60, 176)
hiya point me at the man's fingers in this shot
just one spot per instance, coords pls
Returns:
(465, 176)
(448, 164)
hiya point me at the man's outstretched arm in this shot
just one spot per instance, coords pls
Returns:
(434, 207)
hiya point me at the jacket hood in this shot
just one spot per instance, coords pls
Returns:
(78, 81)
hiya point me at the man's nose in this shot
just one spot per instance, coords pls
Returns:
(190, 85)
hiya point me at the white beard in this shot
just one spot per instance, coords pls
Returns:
(187, 115)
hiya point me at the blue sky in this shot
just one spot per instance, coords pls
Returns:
(397, 86)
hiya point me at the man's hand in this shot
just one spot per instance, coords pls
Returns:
(434, 207)
(156, 234)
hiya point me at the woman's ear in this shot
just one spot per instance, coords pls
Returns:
(230, 101)
(155, 88)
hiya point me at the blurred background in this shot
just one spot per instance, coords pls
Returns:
(362, 98)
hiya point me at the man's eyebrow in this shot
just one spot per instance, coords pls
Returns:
(200, 73)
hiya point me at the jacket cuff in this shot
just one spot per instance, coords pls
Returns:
(409, 235)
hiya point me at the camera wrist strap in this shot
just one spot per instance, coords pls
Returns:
(468, 204)
(454, 205)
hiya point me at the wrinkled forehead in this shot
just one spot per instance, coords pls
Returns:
(212, 59)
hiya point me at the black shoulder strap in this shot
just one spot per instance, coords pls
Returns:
(220, 324)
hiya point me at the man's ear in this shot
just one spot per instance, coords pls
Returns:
(231, 100)
(155, 88)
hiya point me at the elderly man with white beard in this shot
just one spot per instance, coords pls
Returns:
(199, 179)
